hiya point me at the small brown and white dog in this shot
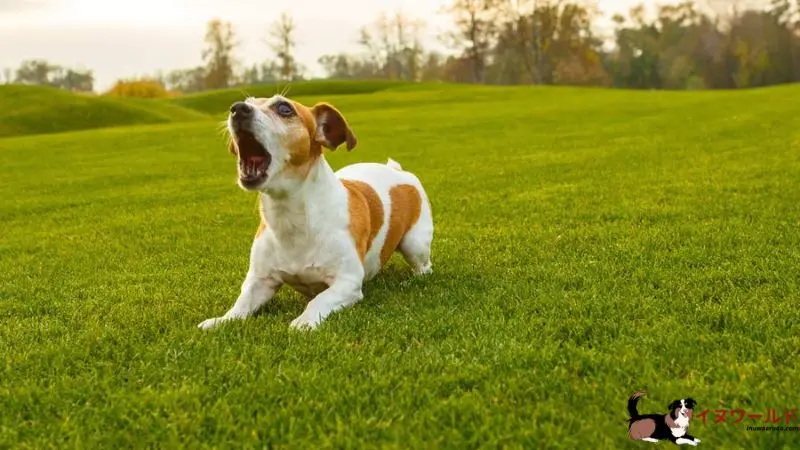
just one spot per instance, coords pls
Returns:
(323, 233)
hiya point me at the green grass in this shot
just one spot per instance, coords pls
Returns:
(26, 110)
(589, 243)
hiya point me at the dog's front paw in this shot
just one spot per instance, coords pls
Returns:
(306, 321)
(696, 441)
(211, 323)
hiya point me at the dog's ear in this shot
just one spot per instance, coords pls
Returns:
(672, 407)
(332, 128)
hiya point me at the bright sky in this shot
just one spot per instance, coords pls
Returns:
(136, 37)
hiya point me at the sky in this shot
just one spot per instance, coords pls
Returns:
(118, 39)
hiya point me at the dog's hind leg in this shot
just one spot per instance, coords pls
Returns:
(416, 244)
(416, 250)
(650, 440)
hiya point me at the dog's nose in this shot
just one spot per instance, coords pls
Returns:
(241, 110)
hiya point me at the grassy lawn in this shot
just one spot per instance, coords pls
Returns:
(589, 244)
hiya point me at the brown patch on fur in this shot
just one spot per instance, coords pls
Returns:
(303, 151)
(642, 429)
(310, 123)
(308, 131)
(366, 214)
(670, 421)
(406, 208)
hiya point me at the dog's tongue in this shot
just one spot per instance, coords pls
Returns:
(256, 160)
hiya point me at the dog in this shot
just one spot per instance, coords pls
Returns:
(673, 426)
(322, 233)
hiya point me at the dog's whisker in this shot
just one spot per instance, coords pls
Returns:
(222, 128)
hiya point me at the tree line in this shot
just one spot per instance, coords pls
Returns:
(41, 72)
(688, 45)
(709, 45)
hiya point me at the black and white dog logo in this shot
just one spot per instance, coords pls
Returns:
(673, 426)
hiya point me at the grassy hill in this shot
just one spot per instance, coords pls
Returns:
(589, 244)
(218, 101)
(26, 110)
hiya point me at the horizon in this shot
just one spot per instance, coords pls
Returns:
(119, 40)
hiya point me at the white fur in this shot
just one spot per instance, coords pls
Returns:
(394, 164)
(650, 440)
(682, 421)
(682, 427)
(307, 244)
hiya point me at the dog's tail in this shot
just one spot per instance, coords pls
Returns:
(393, 164)
(632, 402)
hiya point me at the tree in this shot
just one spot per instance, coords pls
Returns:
(35, 71)
(432, 67)
(394, 47)
(145, 87)
(683, 48)
(281, 41)
(187, 80)
(476, 29)
(343, 66)
(457, 69)
(41, 72)
(260, 74)
(218, 54)
(75, 80)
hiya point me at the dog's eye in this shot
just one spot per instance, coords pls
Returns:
(284, 109)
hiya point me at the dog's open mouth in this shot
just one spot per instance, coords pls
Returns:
(254, 160)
